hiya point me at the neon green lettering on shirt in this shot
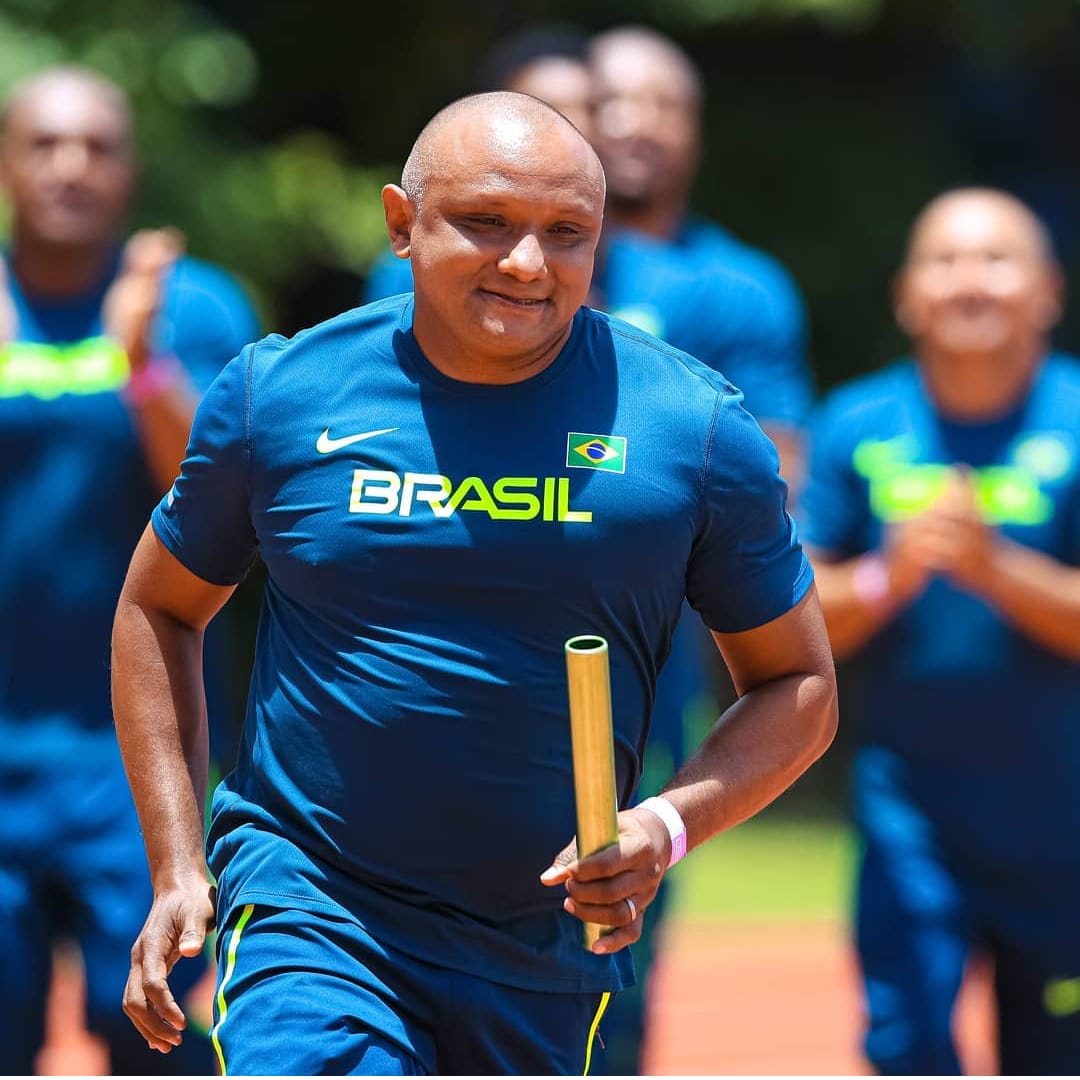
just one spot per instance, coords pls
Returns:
(902, 489)
(94, 365)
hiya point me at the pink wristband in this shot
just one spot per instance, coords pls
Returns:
(870, 580)
(674, 822)
(160, 375)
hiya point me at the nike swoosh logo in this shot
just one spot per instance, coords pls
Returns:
(326, 445)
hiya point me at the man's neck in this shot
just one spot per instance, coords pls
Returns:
(52, 270)
(661, 222)
(460, 361)
(980, 387)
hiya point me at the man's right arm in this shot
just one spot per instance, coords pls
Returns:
(160, 713)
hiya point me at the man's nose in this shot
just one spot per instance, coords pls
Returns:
(627, 117)
(525, 259)
(972, 275)
(70, 159)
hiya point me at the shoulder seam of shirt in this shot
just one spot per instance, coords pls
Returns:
(661, 346)
(706, 458)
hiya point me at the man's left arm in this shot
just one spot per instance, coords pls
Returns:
(1038, 595)
(784, 719)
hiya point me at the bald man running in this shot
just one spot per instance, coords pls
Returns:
(444, 487)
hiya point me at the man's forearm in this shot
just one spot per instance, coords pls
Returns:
(856, 600)
(760, 746)
(1038, 595)
(160, 713)
(163, 421)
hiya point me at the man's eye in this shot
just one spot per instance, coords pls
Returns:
(104, 149)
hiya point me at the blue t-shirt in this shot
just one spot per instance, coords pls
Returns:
(430, 545)
(728, 305)
(735, 309)
(985, 715)
(75, 495)
(709, 245)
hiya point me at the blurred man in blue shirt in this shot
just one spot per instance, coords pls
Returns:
(942, 511)
(104, 347)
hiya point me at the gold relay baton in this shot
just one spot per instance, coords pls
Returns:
(589, 681)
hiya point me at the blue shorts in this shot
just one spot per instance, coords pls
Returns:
(923, 905)
(72, 866)
(310, 994)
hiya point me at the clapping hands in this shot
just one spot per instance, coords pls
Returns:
(134, 298)
(950, 540)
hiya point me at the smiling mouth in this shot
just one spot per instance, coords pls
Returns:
(517, 301)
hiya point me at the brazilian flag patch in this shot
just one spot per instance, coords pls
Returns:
(604, 452)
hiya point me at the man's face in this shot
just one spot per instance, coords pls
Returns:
(66, 164)
(977, 279)
(646, 122)
(503, 239)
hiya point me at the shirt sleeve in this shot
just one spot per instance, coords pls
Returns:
(206, 320)
(205, 519)
(765, 354)
(832, 508)
(747, 566)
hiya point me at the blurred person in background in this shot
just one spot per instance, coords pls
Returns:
(942, 513)
(104, 346)
(694, 284)
(648, 103)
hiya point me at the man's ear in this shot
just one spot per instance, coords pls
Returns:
(399, 219)
(1052, 301)
(902, 310)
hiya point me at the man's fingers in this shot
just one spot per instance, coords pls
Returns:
(147, 995)
(562, 867)
(192, 941)
(622, 912)
(618, 938)
(150, 251)
(608, 892)
(625, 917)
(143, 1013)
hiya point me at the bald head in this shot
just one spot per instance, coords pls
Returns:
(499, 212)
(66, 162)
(493, 130)
(614, 48)
(65, 81)
(979, 281)
(646, 124)
(961, 205)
